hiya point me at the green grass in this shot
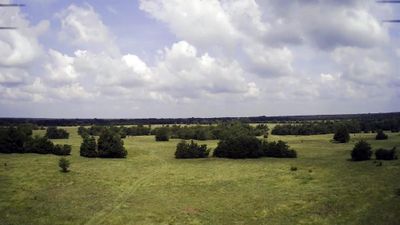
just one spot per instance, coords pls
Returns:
(151, 187)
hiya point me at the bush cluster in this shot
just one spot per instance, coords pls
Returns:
(239, 147)
(55, 133)
(190, 150)
(20, 140)
(162, 134)
(109, 145)
(386, 154)
(363, 151)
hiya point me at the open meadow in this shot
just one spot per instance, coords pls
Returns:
(150, 186)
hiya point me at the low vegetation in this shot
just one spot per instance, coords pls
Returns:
(191, 150)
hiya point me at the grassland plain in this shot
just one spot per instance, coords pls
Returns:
(151, 187)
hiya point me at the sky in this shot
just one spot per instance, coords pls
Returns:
(198, 58)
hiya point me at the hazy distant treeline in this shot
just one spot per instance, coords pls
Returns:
(326, 127)
(257, 119)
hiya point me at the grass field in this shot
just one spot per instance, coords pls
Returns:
(151, 187)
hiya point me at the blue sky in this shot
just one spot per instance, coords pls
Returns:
(177, 58)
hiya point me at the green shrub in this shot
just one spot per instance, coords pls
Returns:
(62, 150)
(381, 136)
(342, 135)
(239, 147)
(162, 134)
(64, 164)
(88, 147)
(386, 154)
(191, 150)
(361, 151)
(40, 145)
(278, 149)
(54, 133)
(110, 145)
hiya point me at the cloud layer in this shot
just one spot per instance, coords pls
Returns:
(229, 57)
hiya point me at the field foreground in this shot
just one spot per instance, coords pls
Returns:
(150, 186)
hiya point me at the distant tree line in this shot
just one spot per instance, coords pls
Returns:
(369, 118)
(123, 131)
(210, 132)
(164, 133)
(19, 140)
(326, 127)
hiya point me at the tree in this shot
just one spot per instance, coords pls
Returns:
(238, 147)
(191, 150)
(64, 164)
(361, 151)
(162, 134)
(88, 147)
(110, 145)
(381, 136)
(342, 135)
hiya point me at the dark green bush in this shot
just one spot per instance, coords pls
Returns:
(386, 154)
(361, 151)
(186, 150)
(12, 140)
(239, 147)
(55, 133)
(40, 145)
(342, 135)
(62, 150)
(278, 149)
(381, 136)
(110, 145)
(88, 147)
(162, 134)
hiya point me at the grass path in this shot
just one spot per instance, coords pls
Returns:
(102, 216)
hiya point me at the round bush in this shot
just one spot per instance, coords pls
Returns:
(162, 134)
(361, 151)
(110, 145)
(342, 135)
